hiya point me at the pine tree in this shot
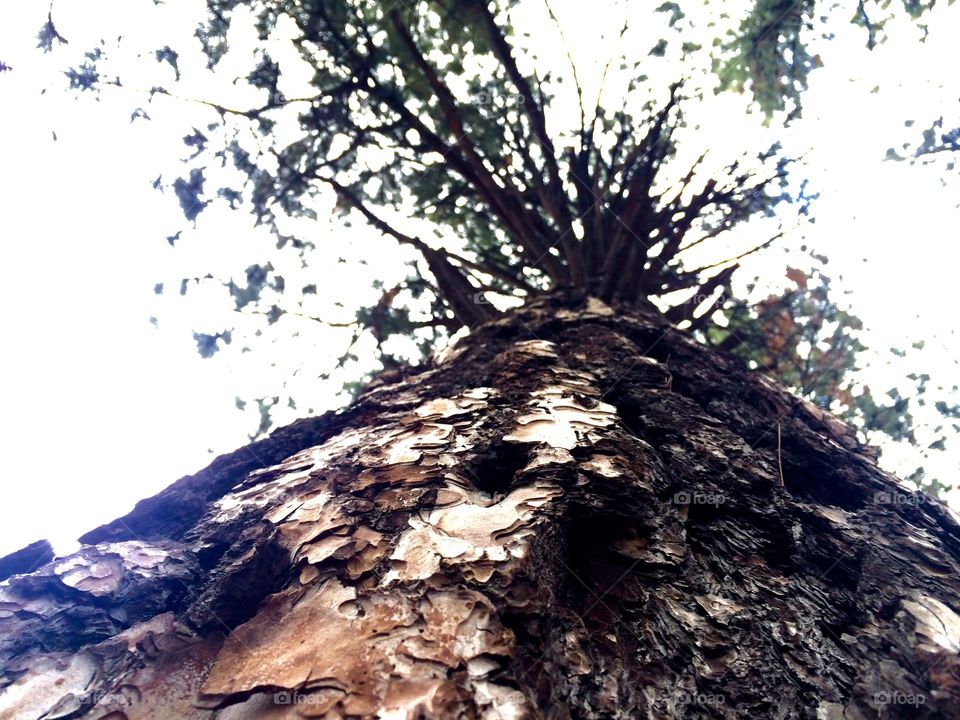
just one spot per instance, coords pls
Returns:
(579, 509)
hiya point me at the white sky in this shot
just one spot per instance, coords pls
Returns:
(102, 409)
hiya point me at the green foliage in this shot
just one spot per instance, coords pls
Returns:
(208, 345)
(938, 145)
(811, 344)
(801, 336)
(189, 192)
(934, 140)
(768, 54)
(48, 35)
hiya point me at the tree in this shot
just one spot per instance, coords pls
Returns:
(581, 511)
(590, 206)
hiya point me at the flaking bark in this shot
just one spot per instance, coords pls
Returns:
(578, 513)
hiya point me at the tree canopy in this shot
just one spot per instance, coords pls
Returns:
(449, 128)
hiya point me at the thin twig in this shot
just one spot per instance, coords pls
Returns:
(779, 456)
(573, 65)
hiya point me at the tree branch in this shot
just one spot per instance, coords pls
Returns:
(506, 198)
(557, 206)
(451, 283)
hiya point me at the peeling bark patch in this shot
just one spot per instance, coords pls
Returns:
(937, 625)
(378, 653)
(152, 671)
(559, 420)
(534, 348)
(92, 594)
(467, 532)
(55, 685)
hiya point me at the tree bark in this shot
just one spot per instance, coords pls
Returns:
(579, 512)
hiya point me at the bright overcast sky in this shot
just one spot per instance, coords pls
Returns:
(103, 409)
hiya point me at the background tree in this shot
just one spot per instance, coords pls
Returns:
(812, 344)
(768, 52)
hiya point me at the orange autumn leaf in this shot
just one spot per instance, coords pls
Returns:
(797, 276)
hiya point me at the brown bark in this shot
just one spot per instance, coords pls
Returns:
(578, 513)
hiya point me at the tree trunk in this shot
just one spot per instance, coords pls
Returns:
(580, 512)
